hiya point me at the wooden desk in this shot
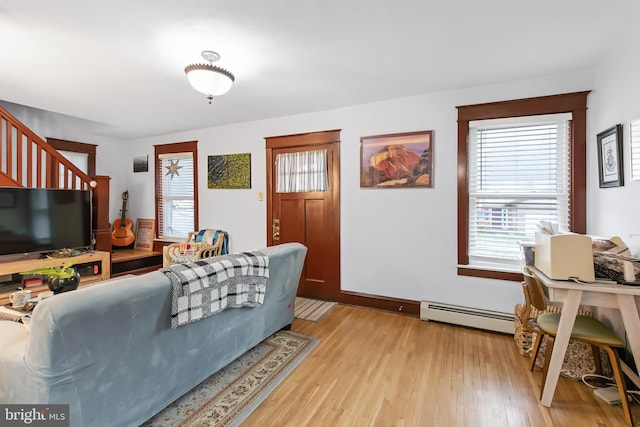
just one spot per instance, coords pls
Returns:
(571, 295)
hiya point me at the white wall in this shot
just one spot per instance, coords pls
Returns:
(395, 242)
(615, 99)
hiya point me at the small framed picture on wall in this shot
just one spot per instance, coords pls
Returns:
(141, 163)
(610, 167)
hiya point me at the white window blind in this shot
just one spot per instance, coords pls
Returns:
(634, 129)
(301, 171)
(518, 176)
(176, 202)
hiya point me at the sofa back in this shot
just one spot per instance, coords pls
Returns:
(109, 351)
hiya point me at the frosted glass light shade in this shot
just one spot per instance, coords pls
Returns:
(209, 79)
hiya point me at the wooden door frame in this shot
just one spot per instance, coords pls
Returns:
(77, 147)
(307, 140)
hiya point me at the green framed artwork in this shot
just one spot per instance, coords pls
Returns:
(229, 171)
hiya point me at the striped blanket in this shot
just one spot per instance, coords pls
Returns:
(208, 286)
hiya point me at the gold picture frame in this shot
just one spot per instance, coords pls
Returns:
(399, 160)
(145, 234)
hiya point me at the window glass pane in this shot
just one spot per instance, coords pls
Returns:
(518, 176)
(301, 172)
(176, 206)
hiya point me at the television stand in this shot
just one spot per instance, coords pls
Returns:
(92, 266)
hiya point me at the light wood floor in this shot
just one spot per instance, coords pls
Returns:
(379, 369)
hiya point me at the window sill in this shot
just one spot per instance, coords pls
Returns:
(487, 273)
(170, 239)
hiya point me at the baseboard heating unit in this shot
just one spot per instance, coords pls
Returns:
(466, 316)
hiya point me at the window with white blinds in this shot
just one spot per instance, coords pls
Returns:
(518, 175)
(634, 127)
(176, 198)
(301, 171)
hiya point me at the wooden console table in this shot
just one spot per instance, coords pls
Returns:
(13, 267)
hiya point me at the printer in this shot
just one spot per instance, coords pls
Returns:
(564, 256)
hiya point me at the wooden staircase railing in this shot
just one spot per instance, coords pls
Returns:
(26, 160)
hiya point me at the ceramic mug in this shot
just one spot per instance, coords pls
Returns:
(19, 298)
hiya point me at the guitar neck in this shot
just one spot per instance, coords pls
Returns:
(123, 216)
(124, 211)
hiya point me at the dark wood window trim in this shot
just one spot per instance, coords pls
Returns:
(176, 147)
(575, 103)
(77, 147)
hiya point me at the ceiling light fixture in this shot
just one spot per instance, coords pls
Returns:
(208, 78)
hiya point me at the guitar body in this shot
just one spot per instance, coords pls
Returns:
(122, 228)
(122, 233)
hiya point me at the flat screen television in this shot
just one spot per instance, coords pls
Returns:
(36, 220)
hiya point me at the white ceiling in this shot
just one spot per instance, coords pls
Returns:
(121, 62)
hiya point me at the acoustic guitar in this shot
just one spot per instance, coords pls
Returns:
(122, 234)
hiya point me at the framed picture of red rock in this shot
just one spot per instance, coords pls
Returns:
(398, 160)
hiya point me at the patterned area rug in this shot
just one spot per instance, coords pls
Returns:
(312, 309)
(230, 395)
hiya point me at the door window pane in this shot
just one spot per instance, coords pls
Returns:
(301, 172)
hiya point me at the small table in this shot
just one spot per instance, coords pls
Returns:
(571, 295)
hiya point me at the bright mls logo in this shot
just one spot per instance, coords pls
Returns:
(34, 415)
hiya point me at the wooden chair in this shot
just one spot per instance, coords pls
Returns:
(198, 245)
(538, 301)
(586, 329)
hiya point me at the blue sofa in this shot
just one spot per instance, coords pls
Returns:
(109, 352)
